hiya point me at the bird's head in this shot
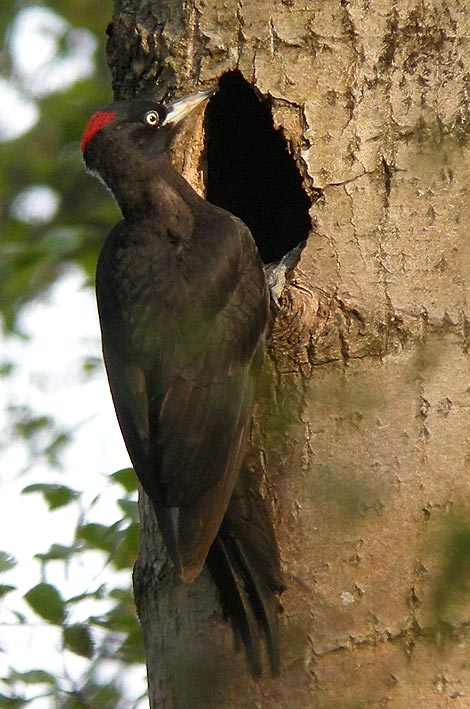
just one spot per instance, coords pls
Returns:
(124, 129)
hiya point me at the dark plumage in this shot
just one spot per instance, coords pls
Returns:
(183, 306)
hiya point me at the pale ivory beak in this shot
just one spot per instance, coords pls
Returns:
(183, 106)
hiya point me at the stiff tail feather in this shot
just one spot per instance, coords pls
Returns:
(245, 566)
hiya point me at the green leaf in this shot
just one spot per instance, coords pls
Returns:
(98, 594)
(55, 495)
(107, 696)
(7, 368)
(46, 601)
(132, 649)
(5, 588)
(90, 365)
(20, 617)
(121, 618)
(130, 509)
(77, 638)
(123, 595)
(58, 551)
(126, 477)
(125, 552)
(7, 561)
(12, 702)
(99, 536)
(35, 677)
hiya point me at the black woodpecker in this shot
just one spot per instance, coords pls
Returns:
(183, 305)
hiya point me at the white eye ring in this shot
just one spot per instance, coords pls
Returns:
(152, 119)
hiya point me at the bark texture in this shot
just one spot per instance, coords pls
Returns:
(369, 482)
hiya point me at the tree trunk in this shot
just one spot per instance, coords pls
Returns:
(369, 482)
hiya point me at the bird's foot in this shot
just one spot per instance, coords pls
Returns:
(278, 273)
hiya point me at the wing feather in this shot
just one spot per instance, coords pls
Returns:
(183, 392)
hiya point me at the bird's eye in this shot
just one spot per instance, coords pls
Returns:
(152, 119)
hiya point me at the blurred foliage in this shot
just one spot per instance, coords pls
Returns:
(33, 255)
(113, 635)
(34, 252)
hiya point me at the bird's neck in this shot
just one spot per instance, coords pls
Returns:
(155, 193)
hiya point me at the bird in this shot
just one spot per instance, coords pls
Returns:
(183, 305)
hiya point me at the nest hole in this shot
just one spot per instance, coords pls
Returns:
(250, 171)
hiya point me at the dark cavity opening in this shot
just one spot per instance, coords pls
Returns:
(250, 171)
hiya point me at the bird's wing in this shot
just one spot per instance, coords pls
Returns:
(201, 403)
(185, 416)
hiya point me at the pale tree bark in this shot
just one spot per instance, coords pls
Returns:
(369, 484)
